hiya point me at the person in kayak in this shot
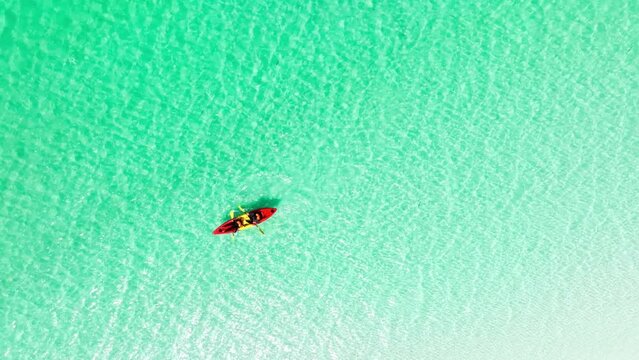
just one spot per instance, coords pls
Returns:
(254, 217)
(239, 223)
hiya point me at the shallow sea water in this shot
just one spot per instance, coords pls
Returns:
(454, 181)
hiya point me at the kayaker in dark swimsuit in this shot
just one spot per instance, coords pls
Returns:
(238, 224)
(254, 217)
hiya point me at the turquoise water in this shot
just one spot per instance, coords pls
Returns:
(454, 181)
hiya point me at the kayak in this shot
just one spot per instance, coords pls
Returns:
(231, 226)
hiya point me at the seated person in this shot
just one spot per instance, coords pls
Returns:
(254, 217)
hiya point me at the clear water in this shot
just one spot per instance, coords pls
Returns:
(454, 180)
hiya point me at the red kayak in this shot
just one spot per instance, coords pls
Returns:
(245, 221)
